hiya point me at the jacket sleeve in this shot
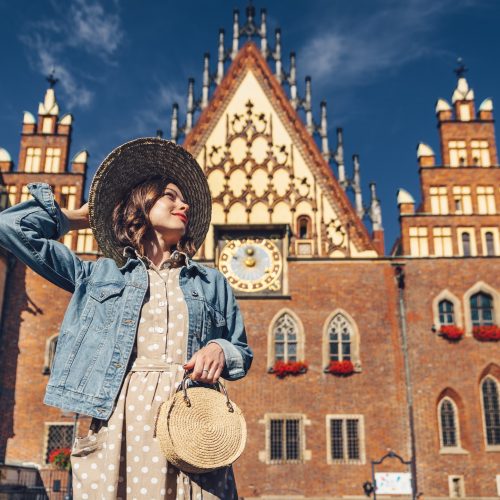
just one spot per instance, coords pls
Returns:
(237, 353)
(29, 230)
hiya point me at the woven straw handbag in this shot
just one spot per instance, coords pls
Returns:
(200, 429)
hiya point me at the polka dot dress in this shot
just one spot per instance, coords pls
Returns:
(120, 458)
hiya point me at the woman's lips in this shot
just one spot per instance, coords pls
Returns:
(182, 217)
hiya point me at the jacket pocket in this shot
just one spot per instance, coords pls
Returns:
(214, 323)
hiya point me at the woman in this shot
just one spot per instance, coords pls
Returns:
(134, 324)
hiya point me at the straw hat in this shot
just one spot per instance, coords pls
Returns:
(134, 162)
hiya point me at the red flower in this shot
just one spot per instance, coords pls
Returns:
(60, 457)
(344, 367)
(283, 368)
(451, 332)
(486, 332)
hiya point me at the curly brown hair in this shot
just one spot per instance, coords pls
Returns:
(131, 221)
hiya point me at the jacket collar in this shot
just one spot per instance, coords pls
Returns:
(190, 263)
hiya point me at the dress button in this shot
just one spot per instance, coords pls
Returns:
(195, 293)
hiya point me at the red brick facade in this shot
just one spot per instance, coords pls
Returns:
(365, 291)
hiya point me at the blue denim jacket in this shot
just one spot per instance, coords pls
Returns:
(98, 331)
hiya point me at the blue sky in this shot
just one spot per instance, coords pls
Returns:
(379, 64)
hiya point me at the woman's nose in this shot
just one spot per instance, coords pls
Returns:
(184, 207)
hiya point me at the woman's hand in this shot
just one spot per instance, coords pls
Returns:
(207, 364)
(79, 218)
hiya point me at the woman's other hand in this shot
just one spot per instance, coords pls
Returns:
(79, 218)
(207, 364)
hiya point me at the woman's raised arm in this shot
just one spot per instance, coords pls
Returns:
(30, 231)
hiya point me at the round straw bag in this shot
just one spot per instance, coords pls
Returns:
(200, 429)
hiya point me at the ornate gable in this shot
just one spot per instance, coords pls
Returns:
(264, 168)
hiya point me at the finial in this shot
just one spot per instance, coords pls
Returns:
(190, 106)
(236, 32)
(263, 33)
(339, 158)
(174, 126)
(292, 80)
(220, 57)
(51, 78)
(461, 69)
(323, 132)
(356, 185)
(375, 212)
(277, 56)
(307, 106)
(206, 80)
(250, 12)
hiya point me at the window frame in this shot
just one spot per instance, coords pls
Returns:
(271, 354)
(457, 308)
(304, 454)
(361, 439)
(488, 447)
(457, 448)
(480, 286)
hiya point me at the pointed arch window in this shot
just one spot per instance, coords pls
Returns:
(340, 336)
(446, 313)
(448, 419)
(481, 308)
(304, 227)
(286, 338)
(491, 410)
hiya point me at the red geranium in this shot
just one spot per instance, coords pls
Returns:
(60, 457)
(486, 332)
(451, 332)
(283, 368)
(344, 367)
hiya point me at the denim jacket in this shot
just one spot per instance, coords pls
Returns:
(97, 334)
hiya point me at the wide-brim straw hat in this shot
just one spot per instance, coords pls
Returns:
(134, 162)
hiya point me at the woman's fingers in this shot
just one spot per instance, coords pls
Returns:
(208, 364)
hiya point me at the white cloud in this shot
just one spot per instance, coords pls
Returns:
(348, 52)
(80, 25)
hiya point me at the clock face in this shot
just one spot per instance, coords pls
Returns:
(252, 264)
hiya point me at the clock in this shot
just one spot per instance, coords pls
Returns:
(252, 265)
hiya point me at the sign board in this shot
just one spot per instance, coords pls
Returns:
(393, 483)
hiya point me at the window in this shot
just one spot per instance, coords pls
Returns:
(491, 411)
(439, 200)
(464, 112)
(456, 486)
(85, 241)
(481, 308)
(339, 339)
(345, 437)
(480, 153)
(285, 334)
(446, 313)
(52, 160)
(443, 246)
(285, 440)
(419, 246)
(8, 195)
(58, 436)
(47, 126)
(490, 243)
(466, 252)
(486, 200)
(448, 424)
(462, 200)
(33, 156)
(304, 227)
(25, 194)
(68, 197)
(458, 153)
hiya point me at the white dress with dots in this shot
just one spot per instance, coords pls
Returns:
(120, 458)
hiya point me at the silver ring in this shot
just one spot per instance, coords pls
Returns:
(205, 370)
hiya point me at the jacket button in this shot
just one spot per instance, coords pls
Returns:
(101, 294)
(118, 365)
(100, 410)
(195, 293)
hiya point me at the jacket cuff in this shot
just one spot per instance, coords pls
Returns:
(42, 192)
(234, 367)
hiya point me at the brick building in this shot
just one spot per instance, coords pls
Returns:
(314, 285)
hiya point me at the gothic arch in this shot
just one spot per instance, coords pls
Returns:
(355, 338)
(489, 387)
(456, 400)
(457, 307)
(271, 354)
(480, 286)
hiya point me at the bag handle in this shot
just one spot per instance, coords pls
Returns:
(218, 386)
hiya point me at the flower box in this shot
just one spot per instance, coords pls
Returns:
(486, 332)
(451, 332)
(345, 367)
(60, 457)
(283, 368)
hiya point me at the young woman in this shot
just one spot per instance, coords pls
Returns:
(138, 317)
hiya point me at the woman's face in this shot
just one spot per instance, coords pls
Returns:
(169, 215)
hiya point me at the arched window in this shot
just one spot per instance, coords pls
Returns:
(303, 227)
(448, 424)
(285, 334)
(446, 313)
(466, 244)
(490, 243)
(491, 410)
(339, 338)
(481, 309)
